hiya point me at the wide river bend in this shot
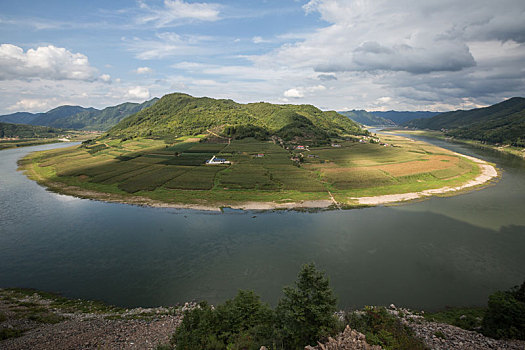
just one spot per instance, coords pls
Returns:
(430, 254)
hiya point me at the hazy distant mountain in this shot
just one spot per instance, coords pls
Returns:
(80, 118)
(503, 122)
(367, 118)
(402, 117)
(94, 119)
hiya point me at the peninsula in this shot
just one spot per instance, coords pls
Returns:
(204, 153)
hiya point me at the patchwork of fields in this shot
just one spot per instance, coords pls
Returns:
(259, 170)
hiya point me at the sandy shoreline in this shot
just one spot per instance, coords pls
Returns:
(488, 172)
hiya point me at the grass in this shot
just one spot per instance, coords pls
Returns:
(176, 172)
(7, 333)
(466, 318)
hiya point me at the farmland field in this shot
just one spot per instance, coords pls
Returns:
(257, 170)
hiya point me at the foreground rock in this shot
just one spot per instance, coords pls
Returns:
(348, 340)
(440, 336)
(34, 322)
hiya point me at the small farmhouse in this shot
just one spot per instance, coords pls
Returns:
(215, 160)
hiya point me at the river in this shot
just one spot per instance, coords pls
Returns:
(439, 252)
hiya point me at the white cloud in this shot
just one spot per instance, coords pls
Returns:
(143, 70)
(300, 92)
(138, 92)
(294, 93)
(105, 78)
(176, 12)
(169, 44)
(48, 62)
(31, 105)
(259, 40)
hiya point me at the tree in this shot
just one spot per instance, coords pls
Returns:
(306, 312)
(505, 316)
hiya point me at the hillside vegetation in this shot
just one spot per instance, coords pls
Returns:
(78, 118)
(177, 114)
(500, 123)
(8, 130)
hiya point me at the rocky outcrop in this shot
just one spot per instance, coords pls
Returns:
(440, 336)
(348, 340)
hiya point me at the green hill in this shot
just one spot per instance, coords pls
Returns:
(500, 123)
(9, 130)
(178, 114)
(367, 118)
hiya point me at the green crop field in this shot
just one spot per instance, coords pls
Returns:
(175, 171)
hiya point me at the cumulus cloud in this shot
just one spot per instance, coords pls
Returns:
(48, 62)
(138, 92)
(143, 70)
(300, 92)
(419, 54)
(176, 12)
(294, 93)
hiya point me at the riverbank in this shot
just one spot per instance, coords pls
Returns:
(32, 319)
(507, 149)
(487, 173)
(481, 174)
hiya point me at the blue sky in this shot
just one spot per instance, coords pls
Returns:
(335, 54)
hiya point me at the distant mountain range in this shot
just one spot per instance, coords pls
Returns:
(79, 118)
(389, 118)
(503, 123)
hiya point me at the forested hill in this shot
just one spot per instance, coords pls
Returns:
(500, 123)
(8, 130)
(367, 118)
(76, 117)
(180, 114)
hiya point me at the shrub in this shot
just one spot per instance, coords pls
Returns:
(505, 316)
(384, 329)
(306, 312)
(241, 323)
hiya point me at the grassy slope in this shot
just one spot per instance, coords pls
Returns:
(500, 123)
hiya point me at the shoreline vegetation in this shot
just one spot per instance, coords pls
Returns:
(353, 172)
(65, 136)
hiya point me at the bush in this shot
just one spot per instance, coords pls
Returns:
(384, 329)
(306, 313)
(505, 316)
(241, 323)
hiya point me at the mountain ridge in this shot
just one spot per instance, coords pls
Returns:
(77, 117)
(503, 122)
